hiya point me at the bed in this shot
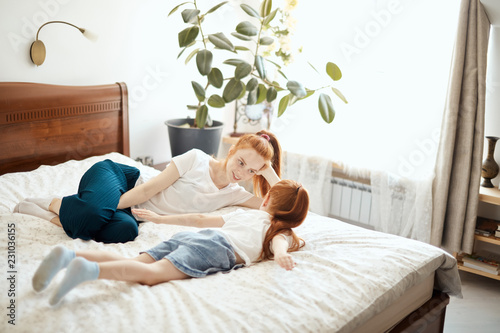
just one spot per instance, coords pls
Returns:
(347, 279)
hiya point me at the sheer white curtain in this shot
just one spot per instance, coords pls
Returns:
(314, 173)
(403, 206)
(395, 57)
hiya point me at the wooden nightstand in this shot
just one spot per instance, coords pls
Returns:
(491, 196)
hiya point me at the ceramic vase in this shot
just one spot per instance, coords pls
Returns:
(490, 167)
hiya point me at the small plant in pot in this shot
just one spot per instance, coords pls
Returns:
(250, 78)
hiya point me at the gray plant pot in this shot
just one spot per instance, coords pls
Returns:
(183, 139)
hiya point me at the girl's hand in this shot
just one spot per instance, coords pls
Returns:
(147, 215)
(285, 260)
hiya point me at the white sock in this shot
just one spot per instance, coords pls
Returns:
(58, 258)
(30, 208)
(78, 271)
(42, 202)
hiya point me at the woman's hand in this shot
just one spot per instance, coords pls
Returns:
(268, 173)
(147, 215)
(285, 261)
(267, 165)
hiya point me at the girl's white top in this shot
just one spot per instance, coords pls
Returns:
(194, 191)
(245, 230)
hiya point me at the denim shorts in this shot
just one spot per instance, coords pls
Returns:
(197, 254)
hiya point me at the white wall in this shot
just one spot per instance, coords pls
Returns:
(492, 112)
(137, 45)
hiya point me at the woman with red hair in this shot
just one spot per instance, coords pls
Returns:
(237, 239)
(193, 182)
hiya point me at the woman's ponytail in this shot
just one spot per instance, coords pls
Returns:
(260, 184)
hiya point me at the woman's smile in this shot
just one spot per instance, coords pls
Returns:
(236, 178)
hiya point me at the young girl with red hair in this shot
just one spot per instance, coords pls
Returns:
(240, 238)
(193, 182)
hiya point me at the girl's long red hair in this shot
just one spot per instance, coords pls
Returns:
(289, 206)
(270, 150)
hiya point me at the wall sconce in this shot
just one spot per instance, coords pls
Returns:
(37, 50)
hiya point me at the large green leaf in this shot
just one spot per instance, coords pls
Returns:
(188, 35)
(296, 88)
(283, 104)
(242, 70)
(333, 71)
(240, 36)
(271, 94)
(259, 64)
(243, 91)
(198, 90)
(232, 90)
(252, 84)
(190, 56)
(190, 15)
(261, 93)
(277, 86)
(176, 7)
(340, 95)
(221, 41)
(241, 48)
(309, 93)
(215, 77)
(246, 28)
(214, 8)
(265, 7)
(270, 17)
(233, 62)
(250, 11)
(216, 101)
(201, 116)
(204, 61)
(266, 41)
(326, 108)
(252, 97)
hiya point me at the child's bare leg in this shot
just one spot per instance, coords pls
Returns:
(55, 205)
(81, 270)
(105, 256)
(134, 271)
(56, 221)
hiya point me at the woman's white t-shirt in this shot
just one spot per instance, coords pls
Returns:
(194, 191)
(245, 230)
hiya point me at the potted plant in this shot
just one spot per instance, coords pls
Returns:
(250, 78)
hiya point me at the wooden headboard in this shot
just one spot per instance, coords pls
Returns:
(50, 124)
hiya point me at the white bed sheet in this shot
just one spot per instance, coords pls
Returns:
(344, 275)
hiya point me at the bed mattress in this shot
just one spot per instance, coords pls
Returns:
(345, 275)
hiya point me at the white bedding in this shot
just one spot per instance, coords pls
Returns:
(344, 275)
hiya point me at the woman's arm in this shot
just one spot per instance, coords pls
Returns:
(189, 220)
(272, 178)
(269, 173)
(253, 203)
(145, 191)
(281, 255)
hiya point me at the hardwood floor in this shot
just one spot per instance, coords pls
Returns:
(479, 310)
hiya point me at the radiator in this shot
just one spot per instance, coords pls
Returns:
(351, 201)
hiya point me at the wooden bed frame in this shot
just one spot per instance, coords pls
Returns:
(50, 124)
(42, 124)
